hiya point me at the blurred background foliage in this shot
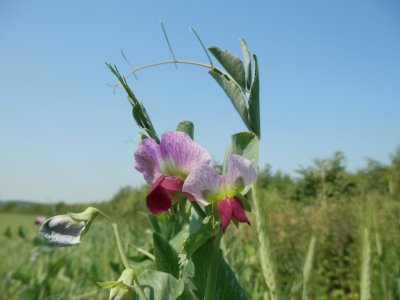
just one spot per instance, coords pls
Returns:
(323, 200)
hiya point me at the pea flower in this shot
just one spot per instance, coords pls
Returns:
(66, 230)
(207, 186)
(165, 166)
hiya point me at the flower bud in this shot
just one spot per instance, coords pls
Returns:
(66, 230)
(121, 289)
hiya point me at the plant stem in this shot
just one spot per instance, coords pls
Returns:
(121, 250)
(266, 263)
(213, 262)
(198, 209)
(172, 61)
(120, 246)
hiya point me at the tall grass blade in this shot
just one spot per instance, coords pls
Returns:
(308, 266)
(266, 263)
(365, 284)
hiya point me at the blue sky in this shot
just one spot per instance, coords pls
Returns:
(329, 73)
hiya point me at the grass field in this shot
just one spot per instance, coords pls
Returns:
(31, 269)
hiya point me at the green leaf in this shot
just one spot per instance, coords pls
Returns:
(138, 111)
(234, 93)
(244, 144)
(232, 64)
(108, 284)
(199, 238)
(254, 101)
(228, 286)
(187, 127)
(154, 223)
(166, 256)
(160, 286)
(247, 61)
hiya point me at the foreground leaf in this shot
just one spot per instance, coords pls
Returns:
(160, 286)
(234, 93)
(245, 144)
(228, 287)
(232, 64)
(166, 256)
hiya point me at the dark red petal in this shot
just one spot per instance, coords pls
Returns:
(224, 209)
(172, 184)
(157, 199)
(238, 211)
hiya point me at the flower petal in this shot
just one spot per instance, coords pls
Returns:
(238, 211)
(157, 199)
(231, 208)
(203, 183)
(147, 158)
(180, 154)
(224, 209)
(240, 173)
(62, 230)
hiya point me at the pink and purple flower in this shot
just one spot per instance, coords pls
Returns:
(165, 166)
(207, 186)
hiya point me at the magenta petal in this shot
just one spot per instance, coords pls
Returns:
(172, 184)
(147, 158)
(224, 209)
(238, 211)
(157, 199)
(179, 149)
(231, 208)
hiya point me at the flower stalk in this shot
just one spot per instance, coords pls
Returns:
(121, 250)
(213, 263)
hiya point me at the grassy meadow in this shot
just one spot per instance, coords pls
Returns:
(334, 236)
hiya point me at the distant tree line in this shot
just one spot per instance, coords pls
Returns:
(327, 179)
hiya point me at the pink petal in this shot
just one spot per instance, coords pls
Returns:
(238, 211)
(147, 158)
(224, 209)
(231, 208)
(157, 199)
(179, 149)
(203, 184)
(240, 172)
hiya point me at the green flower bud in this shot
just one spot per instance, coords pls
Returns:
(123, 288)
(66, 230)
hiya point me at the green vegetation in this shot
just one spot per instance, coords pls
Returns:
(333, 234)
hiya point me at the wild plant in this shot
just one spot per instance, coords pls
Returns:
(191, 204)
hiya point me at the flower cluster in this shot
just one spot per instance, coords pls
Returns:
(178, 166)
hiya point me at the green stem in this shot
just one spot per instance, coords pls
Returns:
(213, 263)
(121, 250)
(120, 246)
(265, 249)
(198, 209)
(172, 61)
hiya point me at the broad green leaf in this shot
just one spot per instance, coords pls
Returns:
(254, 101)
(166, 256)
(247, 61)
(234, 93)
(160, 286)
(228, 286)
(178, 240)
(154, 223)
(199, 238)
(244, 144)
(187, 127)
(232, 64)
